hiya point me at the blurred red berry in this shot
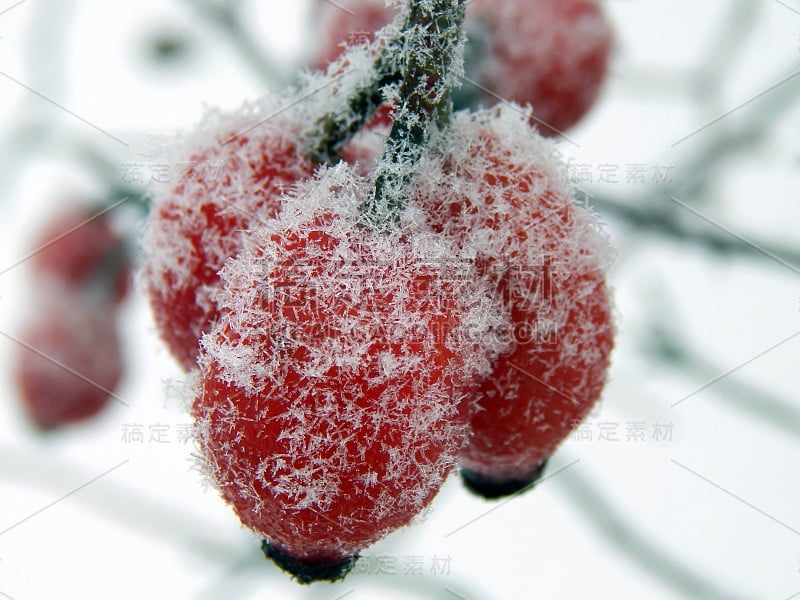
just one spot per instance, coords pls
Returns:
(331, 406)
(79, 248)
(70, 361)
(348, 23)
(494, 188)
(551, 54)
(234, 183)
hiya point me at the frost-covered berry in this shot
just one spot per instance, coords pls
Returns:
(491, 184)
(70, 361)
(332, 401)
(233, 182)
(79, 248)
(556, 374)
(551, 54)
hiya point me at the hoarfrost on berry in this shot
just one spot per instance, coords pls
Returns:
(497, 187)
(335, 387)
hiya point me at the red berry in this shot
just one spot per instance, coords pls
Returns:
(234, 182)
(556, 378)
(71, 360)
(80, 249)
(551, 54)
(348, 24)
(494, 188)
(331, 405)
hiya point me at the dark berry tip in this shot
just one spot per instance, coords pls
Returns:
(492, 489)
(309, 571)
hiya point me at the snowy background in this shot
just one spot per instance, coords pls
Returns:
(684, 483)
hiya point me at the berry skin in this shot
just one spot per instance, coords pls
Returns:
(234, 182)
(79, 248)
(72, 361)
(551, 54)
(556, 384)
(331, 404)
(494, 188)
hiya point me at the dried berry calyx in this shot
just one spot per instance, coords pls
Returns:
(309, 571)
(491, 489)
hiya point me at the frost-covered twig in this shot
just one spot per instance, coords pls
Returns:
(431, 63)
(335, 129)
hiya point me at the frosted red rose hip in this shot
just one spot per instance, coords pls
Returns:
(331, 405)
(494, 187)
(232, 182)
(346, 24)
(551, 54)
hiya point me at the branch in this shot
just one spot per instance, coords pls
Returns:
(226, 19)
(432, 54)
(637, 548)
(120, 504)
(756, 402)
(664, 220)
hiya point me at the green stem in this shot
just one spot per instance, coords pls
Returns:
(430, 60)
(334, 130)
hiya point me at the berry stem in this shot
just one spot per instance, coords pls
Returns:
(431, 60)
(335, 129)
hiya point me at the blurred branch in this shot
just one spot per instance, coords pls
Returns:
(703, 83)
(224, 16)
(46, 58)
(238, 579)
(45, 62)
(654, 211)
(41, 139)
(250, 571)
(623, 536)
(765, 406)
(664, 220)
(707, 81)
(137, 511)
